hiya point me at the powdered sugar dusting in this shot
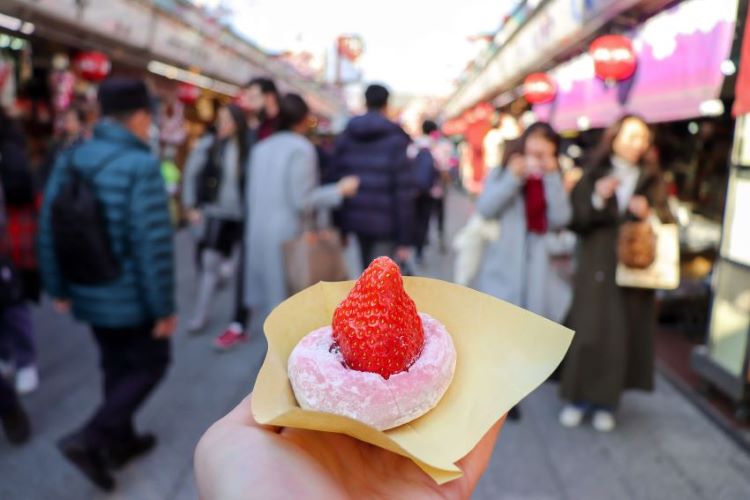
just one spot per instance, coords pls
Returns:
(322, 382)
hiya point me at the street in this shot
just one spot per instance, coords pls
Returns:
(662, 448)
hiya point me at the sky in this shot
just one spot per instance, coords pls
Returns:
(413, 46)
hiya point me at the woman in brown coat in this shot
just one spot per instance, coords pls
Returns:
(613, 346)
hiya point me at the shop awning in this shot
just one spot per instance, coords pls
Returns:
(680, 56)
(742, 91)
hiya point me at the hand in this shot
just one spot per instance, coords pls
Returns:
(403, 254)
(62, 306)
(606, 186)
(639, 207)
(237, 455)
(165, 327)
(194, 216)
(517, 166)
(571, 178)
(348, 186)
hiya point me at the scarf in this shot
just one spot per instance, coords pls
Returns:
(536, 205)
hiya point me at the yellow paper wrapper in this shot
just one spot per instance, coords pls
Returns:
(503, 353)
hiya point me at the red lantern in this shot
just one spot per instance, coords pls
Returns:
(188, 94)
(614, 57)
(93, 66)
(539, 88)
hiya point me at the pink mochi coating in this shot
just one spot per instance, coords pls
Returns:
(322, 382)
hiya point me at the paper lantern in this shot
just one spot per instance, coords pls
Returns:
(539, 88)
(93, 66)
(614, 58)
(188, 94)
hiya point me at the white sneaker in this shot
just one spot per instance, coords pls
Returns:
(27, 380)
(7, 369)
(571, 416)
(603, 421)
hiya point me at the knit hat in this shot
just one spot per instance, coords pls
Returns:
(123, 95)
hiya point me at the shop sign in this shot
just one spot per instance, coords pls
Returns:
(544, 35)
(62, 9)
(128, 21)
(180, 43)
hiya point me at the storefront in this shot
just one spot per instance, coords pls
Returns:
(724, 361)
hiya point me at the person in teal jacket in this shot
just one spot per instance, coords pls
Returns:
(132, 317)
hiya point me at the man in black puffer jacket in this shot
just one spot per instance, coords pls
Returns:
(373, 148)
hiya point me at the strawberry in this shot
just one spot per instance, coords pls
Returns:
(377, 327)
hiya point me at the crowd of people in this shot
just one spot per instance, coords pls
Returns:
(95, 230)
(556, 254)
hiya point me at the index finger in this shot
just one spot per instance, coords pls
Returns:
(243, 414)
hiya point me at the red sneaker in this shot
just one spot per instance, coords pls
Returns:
(230, 339)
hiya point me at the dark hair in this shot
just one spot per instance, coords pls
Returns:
(241, 133)
(540, 129)
(600, 156)
(121, 97)
(512, 148)
(267, 86)
(292, 110)
(376, 97)
(428, 127)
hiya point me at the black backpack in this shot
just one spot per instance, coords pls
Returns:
(79, 228)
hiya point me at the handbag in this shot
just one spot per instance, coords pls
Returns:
(469, 244)
(636, 244)
(210, 176)
(664, 271)
(316, 255)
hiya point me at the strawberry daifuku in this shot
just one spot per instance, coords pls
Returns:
(380, 362)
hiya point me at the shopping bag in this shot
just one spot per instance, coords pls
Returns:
(469, 245)
(316, 255)
(664, 271)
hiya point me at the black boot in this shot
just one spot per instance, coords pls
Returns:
(16, 425)
(120, 454)
(87, 460)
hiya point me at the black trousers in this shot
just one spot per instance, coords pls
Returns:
(133, 362)
(372, 248)
(241, 312)
(8, 398)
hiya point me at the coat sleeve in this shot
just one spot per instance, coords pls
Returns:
(53, 280)
(559, 211)
(196, 160)
(586, 217)
(500, 189)
(151, 240)
(306, 195)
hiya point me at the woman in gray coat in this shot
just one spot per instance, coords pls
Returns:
(529, 199)
(283, 188)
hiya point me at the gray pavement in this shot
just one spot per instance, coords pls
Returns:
(663, 448)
